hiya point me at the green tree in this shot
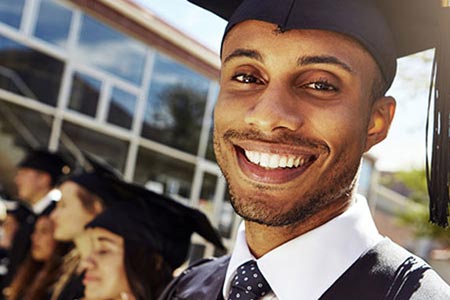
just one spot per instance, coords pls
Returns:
(417, 214)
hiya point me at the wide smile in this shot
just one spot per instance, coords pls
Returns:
(273, 168)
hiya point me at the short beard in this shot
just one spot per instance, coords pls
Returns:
(337, 187)
(253, 210)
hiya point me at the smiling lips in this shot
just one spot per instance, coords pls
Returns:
(272, 168)
(273, 161)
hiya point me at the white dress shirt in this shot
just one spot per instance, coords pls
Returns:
(42, 204)
(305, 267)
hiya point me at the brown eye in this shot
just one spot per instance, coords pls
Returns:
(247, 79)
(321, 86)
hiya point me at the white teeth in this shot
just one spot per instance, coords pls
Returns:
(283, 161)
(296, 162)
(290, 162)
(273, 161)
(264, 160)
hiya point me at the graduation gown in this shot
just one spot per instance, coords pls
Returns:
(74, 288)
(387, 271)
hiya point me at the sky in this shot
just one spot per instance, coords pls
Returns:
(403, 149)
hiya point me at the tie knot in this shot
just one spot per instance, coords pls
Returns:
(248, 283)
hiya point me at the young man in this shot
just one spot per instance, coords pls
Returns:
(302, 98)
(36, 176)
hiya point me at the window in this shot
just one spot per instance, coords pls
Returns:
(85, 94)
(22, 128)
(175, 105)
(53, 23)
(29, 73)
(164, 174)
(121, 108)
(110, 50)
(112, 150)
(11, 12)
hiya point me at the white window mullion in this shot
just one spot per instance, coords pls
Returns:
(29, 17)
(138, 118)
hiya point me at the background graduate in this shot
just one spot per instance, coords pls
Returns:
(135, 246)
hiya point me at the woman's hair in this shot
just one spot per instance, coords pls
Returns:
(72, 259)
(88, 199)
(69, 268)
(34, 279)
(147, 271)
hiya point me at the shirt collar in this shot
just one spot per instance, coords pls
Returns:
(305, 267)
(42, 204)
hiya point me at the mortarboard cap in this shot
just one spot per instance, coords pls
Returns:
(388, 29)
(94, 178)
(157, 222)
(46, 161)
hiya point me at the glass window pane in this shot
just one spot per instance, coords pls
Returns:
(175, 105)
(28, 72)
(22, 127)
(11, 12)
(210, 147)
(164, 174)
(85, 94)
(121, 108)
(110, 50)
(227, 217)
(206, 201)
(112, 150)
(53, 23)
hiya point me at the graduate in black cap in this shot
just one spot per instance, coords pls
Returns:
(302, 98)
(136, 245)
(36, 177)
(84, 195)
(36, 276)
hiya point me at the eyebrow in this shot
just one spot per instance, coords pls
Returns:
(240, 52)
(105, 240)
(302, 61)
(323, 59)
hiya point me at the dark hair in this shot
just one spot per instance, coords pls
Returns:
(87, 198)
(34, 279)
(147, 271)
(379, 87)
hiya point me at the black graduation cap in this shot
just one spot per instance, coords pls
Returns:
(94, 177)
(388, 29)
(156, 221)
(50, 162)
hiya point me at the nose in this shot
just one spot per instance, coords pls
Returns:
(275, 109)
(87, 263)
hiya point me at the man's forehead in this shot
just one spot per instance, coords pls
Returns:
(260, 41)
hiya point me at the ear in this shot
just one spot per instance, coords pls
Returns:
(45, 179)
(382, 113)
(98, 207)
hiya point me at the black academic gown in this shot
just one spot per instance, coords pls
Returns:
(21, 245)
(386, 272)
(74, 288)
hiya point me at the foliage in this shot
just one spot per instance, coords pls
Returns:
(417, 217)
(412, 184)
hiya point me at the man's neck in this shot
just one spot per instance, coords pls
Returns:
(261, 239)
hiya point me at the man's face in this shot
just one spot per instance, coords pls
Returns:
(292, 120)
(30, 182)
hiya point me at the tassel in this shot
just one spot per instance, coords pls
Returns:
(438, 178)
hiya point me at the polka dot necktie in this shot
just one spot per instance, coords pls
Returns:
(248, 283)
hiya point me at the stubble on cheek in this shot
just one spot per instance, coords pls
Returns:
(257, 203)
